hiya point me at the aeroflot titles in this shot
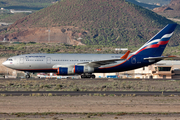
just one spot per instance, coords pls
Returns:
(45, 56)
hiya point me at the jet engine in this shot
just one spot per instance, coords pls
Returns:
(74, 69)
(79, 69)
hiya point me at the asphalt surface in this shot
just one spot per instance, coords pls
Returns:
(128, 79)
(93, 93)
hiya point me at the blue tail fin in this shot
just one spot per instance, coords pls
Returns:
(156, 45)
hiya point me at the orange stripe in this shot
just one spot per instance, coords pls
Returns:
(58, 72)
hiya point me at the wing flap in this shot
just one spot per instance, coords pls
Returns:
(103, 62)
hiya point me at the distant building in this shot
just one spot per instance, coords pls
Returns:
(3, 23)
(16, 11)
(154, 71)
(2, 10)
(98, 49)
(121, 49)
(158, 4)
(4, 40)
(163, 69)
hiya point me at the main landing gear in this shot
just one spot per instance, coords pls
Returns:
(27, 75)
(87, 75)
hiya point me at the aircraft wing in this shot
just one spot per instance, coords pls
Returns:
(105, 62)
(159, 58)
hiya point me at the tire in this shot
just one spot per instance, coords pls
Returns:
(93, 76)
(82, 76)
(27, 76)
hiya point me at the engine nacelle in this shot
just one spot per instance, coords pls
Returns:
(62, 71)
(65, 70)
(79, 69)
(74, 69)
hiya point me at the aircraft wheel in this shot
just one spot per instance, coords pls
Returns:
(93, 76)
(27, 76)
(82, 76)
(88, 76)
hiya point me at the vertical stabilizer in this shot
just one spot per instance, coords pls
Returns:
(156, 45)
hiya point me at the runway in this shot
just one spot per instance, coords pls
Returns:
(106, 79)
(89, 93)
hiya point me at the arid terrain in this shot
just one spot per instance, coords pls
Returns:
(91, 107)
(46, 35)
(99, 108)
(88, 104)
(88, 85)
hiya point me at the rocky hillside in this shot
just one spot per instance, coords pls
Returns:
(171, 10)
(90, 22)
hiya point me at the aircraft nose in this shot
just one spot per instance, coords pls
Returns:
(4, 63)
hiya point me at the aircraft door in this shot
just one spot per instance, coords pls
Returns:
(21, 60)
(48, 60)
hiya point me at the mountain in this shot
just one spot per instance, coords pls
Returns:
(144, 4)
(90, 22)
(172, 10)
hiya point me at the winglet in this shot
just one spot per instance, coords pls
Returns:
(125, 55)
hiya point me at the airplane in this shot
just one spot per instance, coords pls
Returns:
(87, 64)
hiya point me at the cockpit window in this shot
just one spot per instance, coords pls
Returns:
(9, 59)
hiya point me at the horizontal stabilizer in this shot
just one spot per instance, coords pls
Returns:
(159, 58)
